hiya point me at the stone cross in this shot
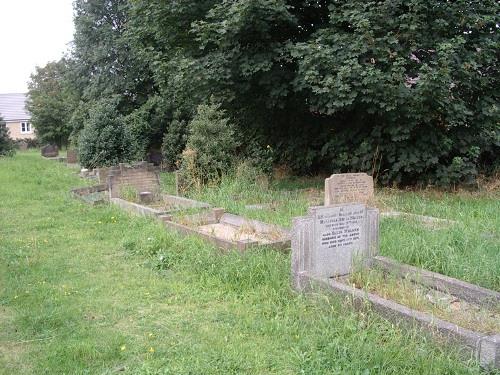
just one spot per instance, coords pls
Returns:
(348, 188)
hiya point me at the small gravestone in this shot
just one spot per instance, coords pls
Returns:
(50, 151)
(348, 188)
(72, 156)
(155, 156)
(146, 197)
(330, 240)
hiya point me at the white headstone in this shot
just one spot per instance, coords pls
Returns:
(329, 241)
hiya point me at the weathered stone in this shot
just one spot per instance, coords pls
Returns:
(145, 197)
(230, 231)
(50, 151)
(331, 239)
(72, 156)
(489, 354)
(348, 188)
(139, 177)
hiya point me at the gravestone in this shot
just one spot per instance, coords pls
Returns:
(72, 156)
(348, 188)
(50, 151)
(330, 240)
(140, 177)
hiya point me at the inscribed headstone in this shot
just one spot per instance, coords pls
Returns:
(348, 188)
(329, 241)
(72, 156)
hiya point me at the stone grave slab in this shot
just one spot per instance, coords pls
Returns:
(138, 177)
(229, 231)
(72, 156)
(325, 246)
(49, 151)
(348, 188)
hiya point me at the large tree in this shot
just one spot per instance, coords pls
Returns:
(406, 89)
(51, 102)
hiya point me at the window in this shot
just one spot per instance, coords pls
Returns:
(25, 127)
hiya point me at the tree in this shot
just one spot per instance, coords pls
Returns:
(51, 102)
(103, 140)
(330, 85)
(6, 144)
(211, 146)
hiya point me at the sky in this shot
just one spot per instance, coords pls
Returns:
(32, 33)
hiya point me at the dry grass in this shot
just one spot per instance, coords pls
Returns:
(428, 300)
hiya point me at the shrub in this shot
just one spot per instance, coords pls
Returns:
(103, 141)
(210, 148)
(174, 141)
(6, 144)
(30, 142)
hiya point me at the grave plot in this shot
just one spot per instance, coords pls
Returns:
(335, 248)
(162, 206)
(229, 231)
(137, 188)
(93, 195)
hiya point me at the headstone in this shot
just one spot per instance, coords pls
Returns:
(330, 240)
(155, 156)
(145, 197)
(72, 156)
(348, 188)
(138, 177)
(50, 151)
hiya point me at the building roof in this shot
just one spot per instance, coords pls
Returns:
(12, 107)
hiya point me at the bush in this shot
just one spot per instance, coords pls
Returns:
(6, 144)
(103, 141)
(30, 142)
(174, 141)
(211, 147)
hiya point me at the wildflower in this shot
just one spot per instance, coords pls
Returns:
(123, 347)
(151, 350)
(150, 334)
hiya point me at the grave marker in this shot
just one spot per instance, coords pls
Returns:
(72, 156)
(348, 188)
(50, 151)
(328, 241)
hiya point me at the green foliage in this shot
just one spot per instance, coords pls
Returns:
(6, 144)
(51, 102)
(211, 146)
(103, 140)
(405, 90)
(174, 142)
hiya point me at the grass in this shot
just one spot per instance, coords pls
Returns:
(91, 290)
(468, 250)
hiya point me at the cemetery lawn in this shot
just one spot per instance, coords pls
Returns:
(91, 290)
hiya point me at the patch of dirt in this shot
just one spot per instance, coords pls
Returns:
(232, 233)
